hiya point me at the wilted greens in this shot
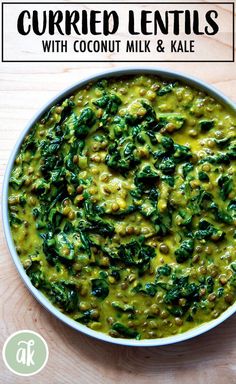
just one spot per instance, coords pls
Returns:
(122, 207)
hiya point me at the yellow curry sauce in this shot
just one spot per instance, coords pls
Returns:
(122, 207)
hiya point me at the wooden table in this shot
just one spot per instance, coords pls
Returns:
(75, 358)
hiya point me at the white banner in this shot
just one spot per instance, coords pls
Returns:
(117, 32)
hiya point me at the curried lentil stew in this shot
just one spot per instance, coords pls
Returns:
(122, 206)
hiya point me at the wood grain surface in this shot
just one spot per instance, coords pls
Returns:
(73, 357)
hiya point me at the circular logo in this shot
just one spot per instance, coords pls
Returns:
(25, 353)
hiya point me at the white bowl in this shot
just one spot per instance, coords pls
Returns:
(37, 294)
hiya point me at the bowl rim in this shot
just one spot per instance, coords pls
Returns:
(107, 73)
